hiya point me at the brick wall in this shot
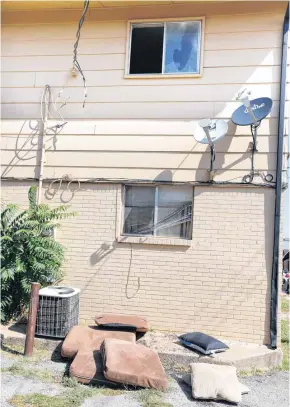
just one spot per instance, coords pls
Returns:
(219, 285)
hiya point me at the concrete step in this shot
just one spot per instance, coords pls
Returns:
(245, 356)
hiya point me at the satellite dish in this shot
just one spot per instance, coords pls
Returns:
(251, 113)
(209, 132)
(217, 129)
(260, 107)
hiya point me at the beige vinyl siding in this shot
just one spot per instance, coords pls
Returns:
(137, 128)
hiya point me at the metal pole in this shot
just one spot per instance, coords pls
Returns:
(212, 152)
(30, 330)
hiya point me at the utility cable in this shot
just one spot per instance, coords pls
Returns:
(76, 64)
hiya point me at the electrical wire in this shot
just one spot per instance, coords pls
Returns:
(181, 215)
(76, 63)
(128, 181)
(47, 100)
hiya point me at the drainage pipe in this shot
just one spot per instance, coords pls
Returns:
(275, 289)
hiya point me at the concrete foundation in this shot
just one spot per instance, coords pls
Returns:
(245, 356)
(174, 356)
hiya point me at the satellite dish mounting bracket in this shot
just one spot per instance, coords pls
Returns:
(207, 125)
(241, 117)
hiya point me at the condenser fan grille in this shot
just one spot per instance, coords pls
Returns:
(57, 315)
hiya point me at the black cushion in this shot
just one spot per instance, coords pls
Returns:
(116, 326)
(203, 343)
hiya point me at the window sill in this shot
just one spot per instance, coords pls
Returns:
(162, 76)
(167, 241)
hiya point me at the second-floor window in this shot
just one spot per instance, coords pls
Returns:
(165, 48)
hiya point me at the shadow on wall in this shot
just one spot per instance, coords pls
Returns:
(104, 252)
(165, 175)
(100, 257)
(65, 187)
(29, 148)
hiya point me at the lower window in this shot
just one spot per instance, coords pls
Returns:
(158, 211)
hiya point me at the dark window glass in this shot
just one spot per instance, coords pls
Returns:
(139, 210)
(146, 50)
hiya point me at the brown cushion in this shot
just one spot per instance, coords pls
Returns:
(84, 337)
(140, 323)
(132, 364)
(87, 367)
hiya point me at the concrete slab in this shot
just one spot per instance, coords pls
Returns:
(174, 356)
(245, 356)
(15, 334)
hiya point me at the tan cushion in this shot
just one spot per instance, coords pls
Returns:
(132, 364)
(217, 382)
(84, 337)
(187, 379)
(87, 367)
(140, 323)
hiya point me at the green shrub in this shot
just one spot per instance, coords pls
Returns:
(29, 252)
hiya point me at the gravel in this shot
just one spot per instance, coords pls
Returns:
(266, 391)
(111, 401)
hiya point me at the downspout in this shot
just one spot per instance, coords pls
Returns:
(275, 289)
(45, 100)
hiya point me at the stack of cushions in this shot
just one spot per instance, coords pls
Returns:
(119, 322)
(215, 382)
(121, 360)
(84, 337)
(202, 343)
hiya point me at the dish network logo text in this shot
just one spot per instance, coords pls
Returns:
(255, 107)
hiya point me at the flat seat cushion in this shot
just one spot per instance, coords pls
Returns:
(216, 382)
(132, 364)
(202, 343)
(117, 320)
(187, 379)
(84, 337)
(87, 367)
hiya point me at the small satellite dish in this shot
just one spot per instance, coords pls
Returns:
(217, 129)
(260, 107)
(209, 132)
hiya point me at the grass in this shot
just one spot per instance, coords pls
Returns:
(252, 372)
(151, 398)
(70, 398)
(18, 369)
(16, 351)
(285, 328)
(285, 305)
